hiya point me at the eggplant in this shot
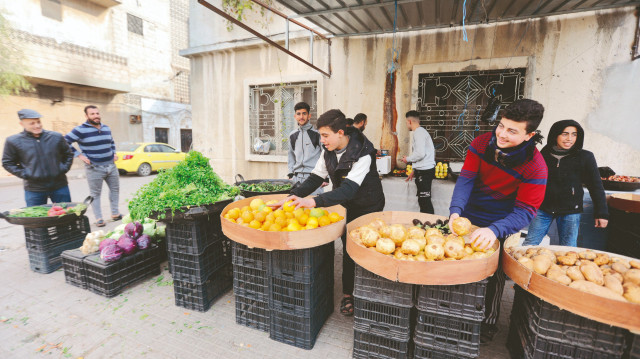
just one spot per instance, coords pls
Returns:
(439, 222)
(416, 222)
(427, 223)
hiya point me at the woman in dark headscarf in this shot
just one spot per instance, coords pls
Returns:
(570, 167)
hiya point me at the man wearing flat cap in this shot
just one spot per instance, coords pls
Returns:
(41, 158)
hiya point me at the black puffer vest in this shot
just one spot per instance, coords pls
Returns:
(370, 193)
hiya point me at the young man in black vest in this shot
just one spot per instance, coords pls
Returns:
(348, 158)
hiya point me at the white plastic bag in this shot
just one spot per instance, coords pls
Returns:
(261, 147)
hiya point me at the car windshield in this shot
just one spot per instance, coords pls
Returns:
(128, 147)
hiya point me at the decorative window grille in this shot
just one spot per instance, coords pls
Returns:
(135, 24)
(271, 114)
(451, 104)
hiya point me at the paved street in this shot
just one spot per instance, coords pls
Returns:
(43, 317)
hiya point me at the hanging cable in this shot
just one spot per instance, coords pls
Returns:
(464, 16)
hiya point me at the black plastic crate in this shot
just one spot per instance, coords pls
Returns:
(73, 266)
(110, 278)
(200, 296)
(301, 298)
(420, 352)
(193, 237)
(383, 319)
(244, 256)
(252, 313)
(633, 346)
(371, 346)
(370, 286)
(300, 265)
(196, 268)
(550, 322)
(45, 238)
(462, 300)
(523, 343)
(251, 283)
(449, 334)
(300, 331)
(49, 260)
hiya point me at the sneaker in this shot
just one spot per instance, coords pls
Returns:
(116, 218)
(100, 223)
(487, 332)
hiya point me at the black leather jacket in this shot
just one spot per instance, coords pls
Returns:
(40, 161)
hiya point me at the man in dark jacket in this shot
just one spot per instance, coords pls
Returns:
(570, 166)
(41, 158)
(348, 158)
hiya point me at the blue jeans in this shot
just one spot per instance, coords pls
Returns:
(568, 228)
(39, 198)
(96, 174)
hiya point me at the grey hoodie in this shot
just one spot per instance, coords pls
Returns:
(303, 155)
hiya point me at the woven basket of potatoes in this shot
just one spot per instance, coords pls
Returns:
(599, 273)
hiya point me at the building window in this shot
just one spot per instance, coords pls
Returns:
(51, 9)
(135, 24)
(186, 140)
(53, 93)
(162, 135)
(271, 114)
(451, 105)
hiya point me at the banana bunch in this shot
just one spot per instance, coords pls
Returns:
(442, 170)
(409, 170)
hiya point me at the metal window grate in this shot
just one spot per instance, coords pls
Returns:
(135, 24)
(271, 114)
(441, 103)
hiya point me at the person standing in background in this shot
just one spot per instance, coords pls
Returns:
(423, 161)
(360, 121)
(98, 152)
(304, 147)
(41, 158)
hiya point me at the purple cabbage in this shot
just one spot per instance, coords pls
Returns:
(133, 230)
(111, 253)
(127, 244)
(107, 241)
(144, 241)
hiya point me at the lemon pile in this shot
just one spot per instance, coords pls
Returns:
(441, 170)
(258, 215)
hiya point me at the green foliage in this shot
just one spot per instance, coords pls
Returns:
(264, 187)
(240, 8)
(11, 83)
(191, 183)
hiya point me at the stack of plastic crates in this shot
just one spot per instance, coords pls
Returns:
(384, 316)
(449, 318)
(541, 330)
(46, 244)
(251, 286)
(300, 294)
(200, 260)
(110, 278)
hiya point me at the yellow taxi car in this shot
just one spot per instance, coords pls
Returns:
(144, 158)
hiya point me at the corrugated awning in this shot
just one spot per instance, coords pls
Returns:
(365, 17)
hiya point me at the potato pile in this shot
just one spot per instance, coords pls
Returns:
(588, 271)
(418, 244)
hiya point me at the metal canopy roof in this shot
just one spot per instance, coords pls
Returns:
(364, 17)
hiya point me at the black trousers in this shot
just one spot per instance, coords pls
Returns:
(423, 183)
(493, 297)
(348, 265)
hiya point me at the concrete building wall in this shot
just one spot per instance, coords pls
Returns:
(578, 66)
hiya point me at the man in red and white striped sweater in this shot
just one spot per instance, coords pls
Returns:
(500, 188)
